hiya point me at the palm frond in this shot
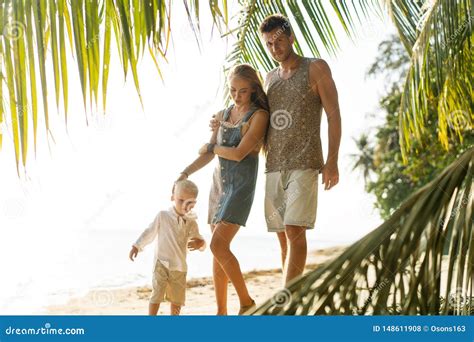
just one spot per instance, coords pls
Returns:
(33, 39)
(420, 261)
(441, 74)
(309, 19)
(407, 16)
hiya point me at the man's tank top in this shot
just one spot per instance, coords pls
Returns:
(293, 141)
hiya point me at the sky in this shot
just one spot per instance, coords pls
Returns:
(115, 173)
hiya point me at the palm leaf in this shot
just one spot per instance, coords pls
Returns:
(307, 18)
(440, 74)
(420, 261)
(33, 39)
(406, 15)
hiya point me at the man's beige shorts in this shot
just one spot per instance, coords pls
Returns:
(168, 285)
(291, 198)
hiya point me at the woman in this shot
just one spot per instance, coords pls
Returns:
(237, 142)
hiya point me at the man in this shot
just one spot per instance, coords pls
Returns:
(297, 92)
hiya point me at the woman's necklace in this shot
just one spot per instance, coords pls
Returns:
(239, 115)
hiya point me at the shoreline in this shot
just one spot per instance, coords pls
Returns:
(200, 298)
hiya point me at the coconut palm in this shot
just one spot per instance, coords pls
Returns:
(364, 159)
(420, 261)
(438, 32)
(36, 35)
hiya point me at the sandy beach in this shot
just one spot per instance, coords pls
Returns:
(200, 299)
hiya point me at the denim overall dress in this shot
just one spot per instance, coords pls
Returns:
(233, 187)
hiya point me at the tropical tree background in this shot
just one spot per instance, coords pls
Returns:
(432, 105)
(380, 158)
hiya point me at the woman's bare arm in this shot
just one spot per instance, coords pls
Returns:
(203, 159)
(253, 137)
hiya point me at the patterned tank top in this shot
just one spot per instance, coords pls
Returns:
(293, 138)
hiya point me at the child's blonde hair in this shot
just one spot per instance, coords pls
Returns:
(186, 185)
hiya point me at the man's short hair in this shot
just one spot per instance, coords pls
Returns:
(276, 21)
(187, 186)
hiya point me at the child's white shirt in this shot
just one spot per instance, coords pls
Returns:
(173, 233)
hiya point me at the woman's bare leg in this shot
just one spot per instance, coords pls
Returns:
(221, 282)
(220, 247)
(153, 309)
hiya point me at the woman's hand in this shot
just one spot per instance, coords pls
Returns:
(181, 177)
(203, 150)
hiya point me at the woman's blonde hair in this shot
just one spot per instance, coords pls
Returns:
(248, 73)
(259, 97)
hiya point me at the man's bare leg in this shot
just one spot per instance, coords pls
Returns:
(175, 309)
(153, 309)
(297, 252)
(284, 248)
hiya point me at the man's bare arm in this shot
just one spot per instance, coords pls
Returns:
(323, 85)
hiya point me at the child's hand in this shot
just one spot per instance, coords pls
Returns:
(133, 253)
(195, 244)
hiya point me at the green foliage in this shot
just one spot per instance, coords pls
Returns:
(380, 159)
